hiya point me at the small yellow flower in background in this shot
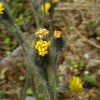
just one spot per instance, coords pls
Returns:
(32, 43)
(57, 34)
(55, 1)
(1, 8)
(75, 85)
(42, 33)
(47, 7)
(42, 47)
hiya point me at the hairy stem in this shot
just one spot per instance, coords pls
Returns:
(51, 17)
(20, 38)
(26, 84)
(55, 79)
(35, 14)
(33, 88)
(47, 84)
(31, 73)
(43, 22)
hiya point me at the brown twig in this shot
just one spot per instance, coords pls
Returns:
(87, 40)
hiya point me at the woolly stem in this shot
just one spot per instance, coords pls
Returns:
(47, 85)
(35, 14)
(55, 79)
(30, 71)
(20, 38)
(13, 31)
(26, 84)
(33, 88)
(51, 17)
(43, 22)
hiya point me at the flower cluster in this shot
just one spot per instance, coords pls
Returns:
(1, 8)
(75, 85)
(42, 47)
(42, 33)
(57, 34)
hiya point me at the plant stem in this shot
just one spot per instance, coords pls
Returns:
(43, 20)
(36, 14)
(31, 72)
(47, 84)
(55, 78)
(51, 17)
(20, 38)
(26, 84)
(33, 88)
(18, 30)
(13, 31)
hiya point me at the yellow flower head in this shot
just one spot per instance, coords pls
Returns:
(57, 34)
(75, 85)
(42, 47)
(47, 7)
(55, 1)
(1, 8)
(42, 33)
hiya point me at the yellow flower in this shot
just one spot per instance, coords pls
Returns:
(55, 1)
(75, 85)
(1, 8)
(42, 33)
(47, 7)
(32, 43)
(57, 34)
(42, 47)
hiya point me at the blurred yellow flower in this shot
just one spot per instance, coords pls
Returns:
(55, 1)
(42, 33)
(1, 8)
(47, 7)
(57, 34)
(32, 43)
(42, 47)
(75, 85)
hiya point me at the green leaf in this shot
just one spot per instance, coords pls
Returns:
(98, 24)
(8, 41)
(29, 91)
(92, 98)
(41, 97)
(89, 79)
(1, 35)
(81, 64)
(57, 14)
(70, 62)
(77, 73)
(91, 22)
(94, 23)
(8, 52)
(20, 22)
(2, 95)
